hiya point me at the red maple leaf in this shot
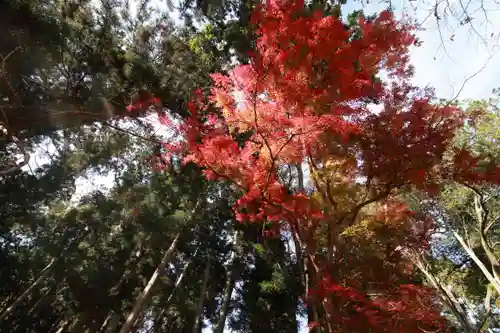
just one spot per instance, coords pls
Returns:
(302, 99)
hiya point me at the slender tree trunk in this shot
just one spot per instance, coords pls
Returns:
(304, 265)
(203, 292)
(491, 278)
(146, 294)
(310, 268)
(178, 282)
(313, 270)
(110, 323)
(25, 294)
(228, 289)
(78, 324)
(483, 324)
(62, 326)
(446, 295)
(158, 322)
(482, 215)
(40, 278)
(300, 177)
(330, 249)
(495, 264)
(312, 311)
(135, 254)
(41, 300)
(105, 324)
(304, 269)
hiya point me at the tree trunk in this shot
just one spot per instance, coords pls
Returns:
(25, 294)
(110, 324)
(482, 215)
(146, 294)
(134, 257)
(104, 325)
(305, 275)
(41, 300)
(62, 326)
(300, 177)
(158, 323)
(78, 324)
(495, 265)
(446, 296)
(178, 282)
(135, 254)
(39, 119)
(483, 324)
(40, 278)
(491, 278)
(176, 286)
(203, 292)
(228, 289)
(312, 311)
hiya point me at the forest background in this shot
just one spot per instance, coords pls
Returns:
(97, 238)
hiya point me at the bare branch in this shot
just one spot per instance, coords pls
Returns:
(25, 161)
(491, 224)
(470, 78)
(487, 309)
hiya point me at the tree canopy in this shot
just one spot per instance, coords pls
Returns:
(253, 167)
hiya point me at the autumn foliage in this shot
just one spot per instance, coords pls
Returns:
(306, 102)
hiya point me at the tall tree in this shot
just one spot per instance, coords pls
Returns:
(464, 257)
(298, 103)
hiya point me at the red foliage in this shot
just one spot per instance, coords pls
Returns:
(143, 103)
(469, 169)
(405, 308)
(406, 141)
(304, 98)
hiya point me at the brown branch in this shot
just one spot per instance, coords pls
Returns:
(131, 133)
(273, 161)
(324, 192)
(495, 220)
(447, 296)
(487, 308)
(373, 199)
(470, 78)
(26, 158)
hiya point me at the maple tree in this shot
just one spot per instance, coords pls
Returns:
(305, 102)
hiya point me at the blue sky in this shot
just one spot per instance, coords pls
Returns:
(471, 60)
